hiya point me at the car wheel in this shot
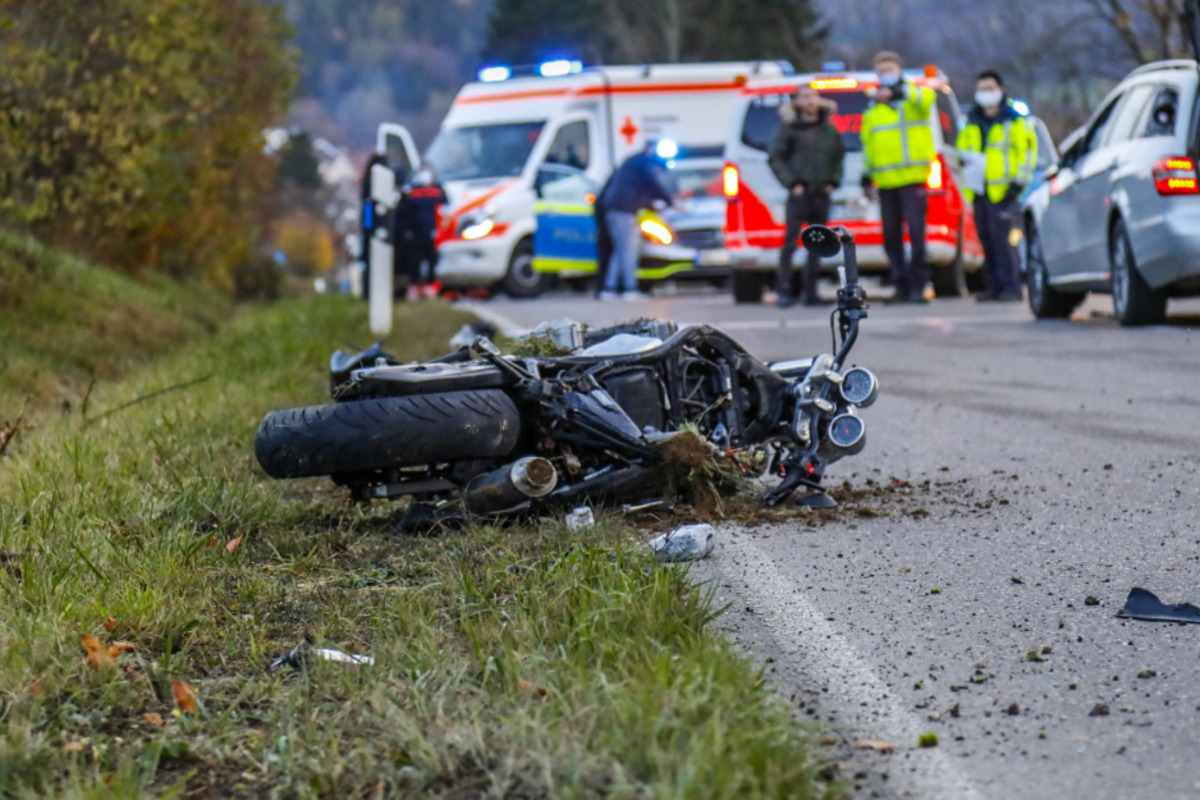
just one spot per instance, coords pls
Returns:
(1045, 301)
(748, 286)
(1134, 302)
(521, 280)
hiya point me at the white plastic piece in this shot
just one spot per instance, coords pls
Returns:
(580, 519)
(622, 344)
(329, 654)
(688, 543)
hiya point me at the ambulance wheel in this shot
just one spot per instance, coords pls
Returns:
(748, 286)
(521, 280)
(975, 281)
(948, 278)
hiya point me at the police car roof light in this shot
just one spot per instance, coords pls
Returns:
(1021, 107)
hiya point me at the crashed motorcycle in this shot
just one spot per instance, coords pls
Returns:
(480, 433)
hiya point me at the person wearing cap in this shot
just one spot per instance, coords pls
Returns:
(898, 149)
(1008, 144)
(806, 156)
(634, 186)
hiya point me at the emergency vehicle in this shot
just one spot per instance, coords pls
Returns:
(754, 224)
(505, 127)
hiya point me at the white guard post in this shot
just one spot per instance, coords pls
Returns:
(383, 194)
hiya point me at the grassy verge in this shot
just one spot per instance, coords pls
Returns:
(65, 322)
(517, 662)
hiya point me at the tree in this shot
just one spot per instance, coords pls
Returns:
(132, 129)
(1150, 30)
(630, 31)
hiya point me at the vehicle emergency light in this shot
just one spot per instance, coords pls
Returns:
(731, 181)
(934, 181)
(1176, 175)
(931, 71)
(833, 84)
(558, 68)
(494, 74)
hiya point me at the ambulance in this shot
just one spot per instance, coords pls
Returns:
(754, 224)
(515, 130)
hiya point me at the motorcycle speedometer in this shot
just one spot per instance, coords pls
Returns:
(848, 433)
(859, 387)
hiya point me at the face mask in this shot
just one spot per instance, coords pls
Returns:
(989, 99)
(889, 79)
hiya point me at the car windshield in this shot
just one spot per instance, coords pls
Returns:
(694, 182)
(762, 118)
(483, 151)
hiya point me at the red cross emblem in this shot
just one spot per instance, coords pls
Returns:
(629, 130)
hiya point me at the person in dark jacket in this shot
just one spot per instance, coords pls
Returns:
(634, 186)
(806, 156)
(420, 204)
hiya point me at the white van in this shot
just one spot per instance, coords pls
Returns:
(504, 127)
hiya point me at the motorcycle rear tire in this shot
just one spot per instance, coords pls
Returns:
(365, 435)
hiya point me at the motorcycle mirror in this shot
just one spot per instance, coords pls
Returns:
(821, 240)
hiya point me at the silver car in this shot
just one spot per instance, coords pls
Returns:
(1120, 211)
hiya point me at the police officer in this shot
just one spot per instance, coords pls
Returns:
(897, 138)
(635, 185)
(806, 156)
(1007, 142)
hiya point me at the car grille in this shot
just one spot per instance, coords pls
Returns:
(700, 238)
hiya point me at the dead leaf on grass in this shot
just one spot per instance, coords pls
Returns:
(875, 744)
(153, 718)
(110, 624)
(233, 544)
(185, 696)
(99, 654)
(73, 747)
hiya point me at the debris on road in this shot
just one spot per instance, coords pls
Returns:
(1091, 600)
(928, 740)
(876, 745)
(302, 656)
(1099, 710)
(688, 543)
(1144, 605)
(580, 519)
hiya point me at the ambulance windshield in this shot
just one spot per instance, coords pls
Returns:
(762, 118)
(480, 152)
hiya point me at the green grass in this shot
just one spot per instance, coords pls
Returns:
(510, 662)
(64, 322)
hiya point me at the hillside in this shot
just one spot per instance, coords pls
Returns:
(65, 322)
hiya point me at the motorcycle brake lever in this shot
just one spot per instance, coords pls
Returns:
(490, 353)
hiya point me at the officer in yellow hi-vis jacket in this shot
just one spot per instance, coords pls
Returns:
(898, 148)
(1007, 143)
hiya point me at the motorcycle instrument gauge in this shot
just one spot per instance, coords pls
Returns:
(859, 387)
(848, 433)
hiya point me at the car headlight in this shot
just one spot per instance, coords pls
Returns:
(477, 230)
(656, 231)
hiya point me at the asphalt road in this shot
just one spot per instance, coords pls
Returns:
(1061, 461)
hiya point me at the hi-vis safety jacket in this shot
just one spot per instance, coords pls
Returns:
(897, 138)
(1011, 149)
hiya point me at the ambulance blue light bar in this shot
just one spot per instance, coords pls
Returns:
(666, 149)
(558, 68)
(1021, 107)
(494, 74)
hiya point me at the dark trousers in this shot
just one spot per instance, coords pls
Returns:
(995, 222)
(900, 206)
(422, 257)
(810, 208)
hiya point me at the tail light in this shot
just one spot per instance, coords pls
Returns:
(935, 179)
(1176, 175)
(731, 181)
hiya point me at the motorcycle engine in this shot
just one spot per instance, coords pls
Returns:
(637, 392)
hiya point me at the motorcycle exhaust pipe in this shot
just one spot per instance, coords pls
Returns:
(525, 479)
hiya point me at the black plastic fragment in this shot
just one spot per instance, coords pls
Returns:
(1144, 605)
